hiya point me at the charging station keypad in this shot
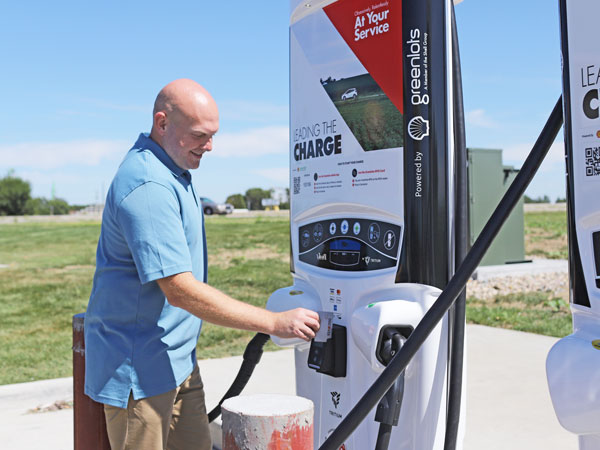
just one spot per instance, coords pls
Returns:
(349, 244)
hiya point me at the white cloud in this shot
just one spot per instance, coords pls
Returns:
(253, 111)
(280, 175)
(479, 118)
(252, 143)
(519, 152)
(50, 155)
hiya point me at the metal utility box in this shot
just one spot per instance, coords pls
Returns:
(488, 181)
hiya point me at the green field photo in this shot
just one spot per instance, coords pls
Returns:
(369, 113)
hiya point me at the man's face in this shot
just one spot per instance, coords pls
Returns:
(188, 136)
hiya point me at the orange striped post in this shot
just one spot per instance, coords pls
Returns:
(268, 421)
(88, 416)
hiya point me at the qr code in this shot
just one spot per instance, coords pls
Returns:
(592, 161)
(296, 185)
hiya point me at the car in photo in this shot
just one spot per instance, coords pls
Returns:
(211, 207)
(351, 93)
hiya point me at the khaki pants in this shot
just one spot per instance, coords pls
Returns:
(175, 420)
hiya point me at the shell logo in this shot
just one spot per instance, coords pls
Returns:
(418, 128)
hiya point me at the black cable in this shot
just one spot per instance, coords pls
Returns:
(252, 354)
(457, 341)
(454, 287)
(389, 408)
(383, 437)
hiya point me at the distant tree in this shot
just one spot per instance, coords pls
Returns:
(237, 200)
(14, 193)
(40, 206)
(37, 206)
(254, 196)
(59, 206)
(544, 199)
(561, 200)
(286, 204)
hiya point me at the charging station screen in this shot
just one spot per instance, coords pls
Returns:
(345, 244)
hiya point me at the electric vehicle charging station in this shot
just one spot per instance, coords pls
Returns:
(373, 180)
(573, 363)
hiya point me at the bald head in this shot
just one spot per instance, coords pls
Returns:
(185, 117)
(183, 95)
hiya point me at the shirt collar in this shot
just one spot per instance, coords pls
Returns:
(144, 141)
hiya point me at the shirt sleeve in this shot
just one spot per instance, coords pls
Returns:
(150, 218)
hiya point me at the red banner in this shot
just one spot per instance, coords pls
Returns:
(373, 30)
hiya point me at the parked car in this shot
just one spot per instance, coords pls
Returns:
(351, 93)
(211, 207)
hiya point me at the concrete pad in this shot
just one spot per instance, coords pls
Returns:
(536, 266)
(22, 430)
(508, 404)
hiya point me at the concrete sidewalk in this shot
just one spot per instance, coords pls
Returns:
(508, 405)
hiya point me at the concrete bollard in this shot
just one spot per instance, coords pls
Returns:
(268, 422)
(89, 423)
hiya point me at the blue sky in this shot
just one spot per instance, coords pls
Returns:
(79, 80)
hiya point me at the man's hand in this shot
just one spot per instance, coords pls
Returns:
(294, 323)
(184, 291)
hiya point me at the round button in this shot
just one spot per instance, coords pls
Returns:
(374, 233)
(344, 227)
(318, 232)
(389, 239)
(332, 228)
(305, 238)
(356, 228)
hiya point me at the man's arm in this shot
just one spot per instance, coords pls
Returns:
(185, 291)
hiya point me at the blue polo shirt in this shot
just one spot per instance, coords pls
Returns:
(152, 227)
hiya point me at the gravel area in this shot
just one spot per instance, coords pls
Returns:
(556, 283)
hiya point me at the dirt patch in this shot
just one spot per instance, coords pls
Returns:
(56, 406)
(227, 257)
(546, 245)
(71, 268)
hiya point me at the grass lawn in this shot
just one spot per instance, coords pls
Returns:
(534, 312)
(546, 235)
(49, 279)
(51, 265)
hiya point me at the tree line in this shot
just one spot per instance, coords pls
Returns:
(252, 199)
(16, 199)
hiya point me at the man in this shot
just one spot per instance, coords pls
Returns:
(150, 294)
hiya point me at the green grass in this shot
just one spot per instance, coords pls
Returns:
(546, 234)
(249, 277)
(533, 312)
(49, 279)
(51, 265)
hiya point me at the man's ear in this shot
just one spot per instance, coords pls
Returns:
(160, 122)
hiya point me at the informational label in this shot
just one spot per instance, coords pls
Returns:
(347, 102)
